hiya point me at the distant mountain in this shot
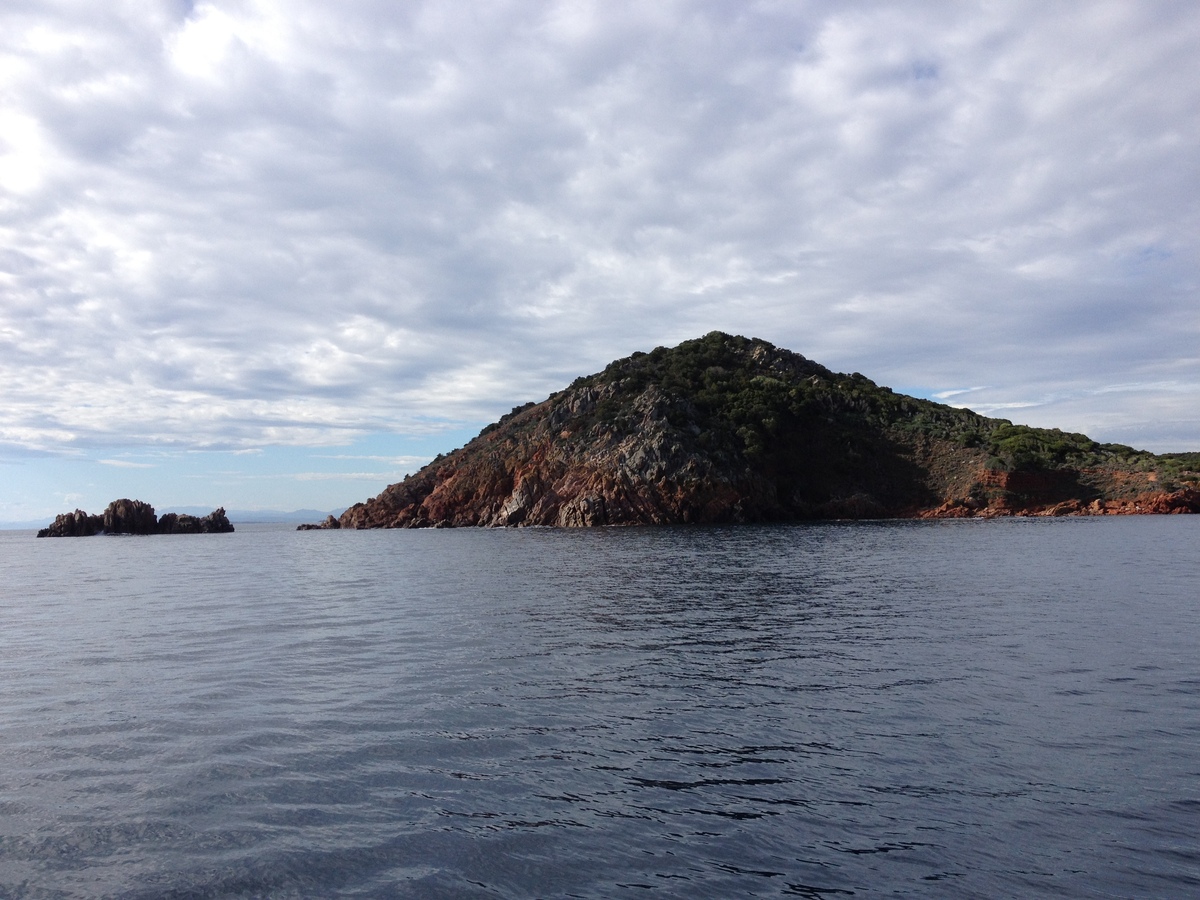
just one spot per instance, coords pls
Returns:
(23, 524)
(732, 429)
(254, 516)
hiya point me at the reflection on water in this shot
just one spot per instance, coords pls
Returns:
(950, 708)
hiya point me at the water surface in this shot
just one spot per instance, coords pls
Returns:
(996, 708)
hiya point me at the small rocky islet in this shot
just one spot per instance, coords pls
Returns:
(728, 429)
(127, 516)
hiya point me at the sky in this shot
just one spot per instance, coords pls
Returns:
(274, 255)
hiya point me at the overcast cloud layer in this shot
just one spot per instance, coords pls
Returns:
(243, 224)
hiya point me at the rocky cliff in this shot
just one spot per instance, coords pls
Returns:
(731, 429)
(126, 516)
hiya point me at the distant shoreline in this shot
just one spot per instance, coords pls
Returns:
(236, 516)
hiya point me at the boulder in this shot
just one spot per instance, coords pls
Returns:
(216, 522)
(330, 522)
(76, 524)
(127, 516)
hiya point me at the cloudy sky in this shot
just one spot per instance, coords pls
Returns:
(272, 254)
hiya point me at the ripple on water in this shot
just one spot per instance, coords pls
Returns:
(955, 709)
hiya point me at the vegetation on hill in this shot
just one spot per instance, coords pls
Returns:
(727, 428)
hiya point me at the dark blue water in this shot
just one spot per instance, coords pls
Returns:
(955, 709)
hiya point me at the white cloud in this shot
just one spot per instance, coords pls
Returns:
(405, 463)
(202, 46)
(371, 477)
(955, 392)
(24, 151)
(258, 223)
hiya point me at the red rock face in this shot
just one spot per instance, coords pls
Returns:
(1147, 502)
(642, 479)
(529, 474)
(1152, 503)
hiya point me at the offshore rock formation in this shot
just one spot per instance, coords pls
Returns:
(126, 516)
(731, 429)
(216, 522)
(330, 522)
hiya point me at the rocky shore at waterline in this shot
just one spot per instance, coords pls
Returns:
(127, 516)
(330, 522)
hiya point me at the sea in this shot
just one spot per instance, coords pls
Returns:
(1004, 708)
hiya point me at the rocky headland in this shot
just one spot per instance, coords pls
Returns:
(126, 516)
(733, 429)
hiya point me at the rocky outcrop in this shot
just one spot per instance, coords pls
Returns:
(730, 429)
(130, 517)
(330, 522)
(1185, 501)
(76, 524)
(126, 516)
(216, 522)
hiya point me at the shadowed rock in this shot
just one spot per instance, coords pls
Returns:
(215, 522)
(130, 517)
(76, 524)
